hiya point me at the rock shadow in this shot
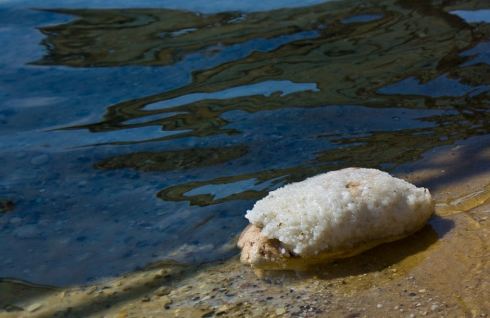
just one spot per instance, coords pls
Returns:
(378, 258)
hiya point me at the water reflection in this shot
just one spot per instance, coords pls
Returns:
(474, 16)
(223, 190)
(362, 18)
(438, 87)
(266, 88)
(174, 160)
(479, 54)
(144, 134)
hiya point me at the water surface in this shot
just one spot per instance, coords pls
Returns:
(135, 135)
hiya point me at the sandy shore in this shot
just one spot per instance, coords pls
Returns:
(441, 271)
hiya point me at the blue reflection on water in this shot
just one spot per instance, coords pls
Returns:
(478, 54)
(362, 18)
(263, 88)
(210, 6)
(473, 16)
(220, 191)
(438, 87)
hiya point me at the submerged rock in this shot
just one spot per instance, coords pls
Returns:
(333, 215)
(6, 205)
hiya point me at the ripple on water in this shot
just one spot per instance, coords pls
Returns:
(119, 155)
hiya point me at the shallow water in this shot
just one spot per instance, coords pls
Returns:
(130, 136)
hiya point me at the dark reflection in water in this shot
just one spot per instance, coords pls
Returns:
(173, 160)
(137, 135)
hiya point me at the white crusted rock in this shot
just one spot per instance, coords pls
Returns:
(332, 215)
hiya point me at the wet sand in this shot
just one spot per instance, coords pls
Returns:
(441, 271)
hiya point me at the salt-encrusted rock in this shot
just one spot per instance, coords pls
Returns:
(330, 216)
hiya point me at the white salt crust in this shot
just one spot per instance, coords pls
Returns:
(341, 209)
